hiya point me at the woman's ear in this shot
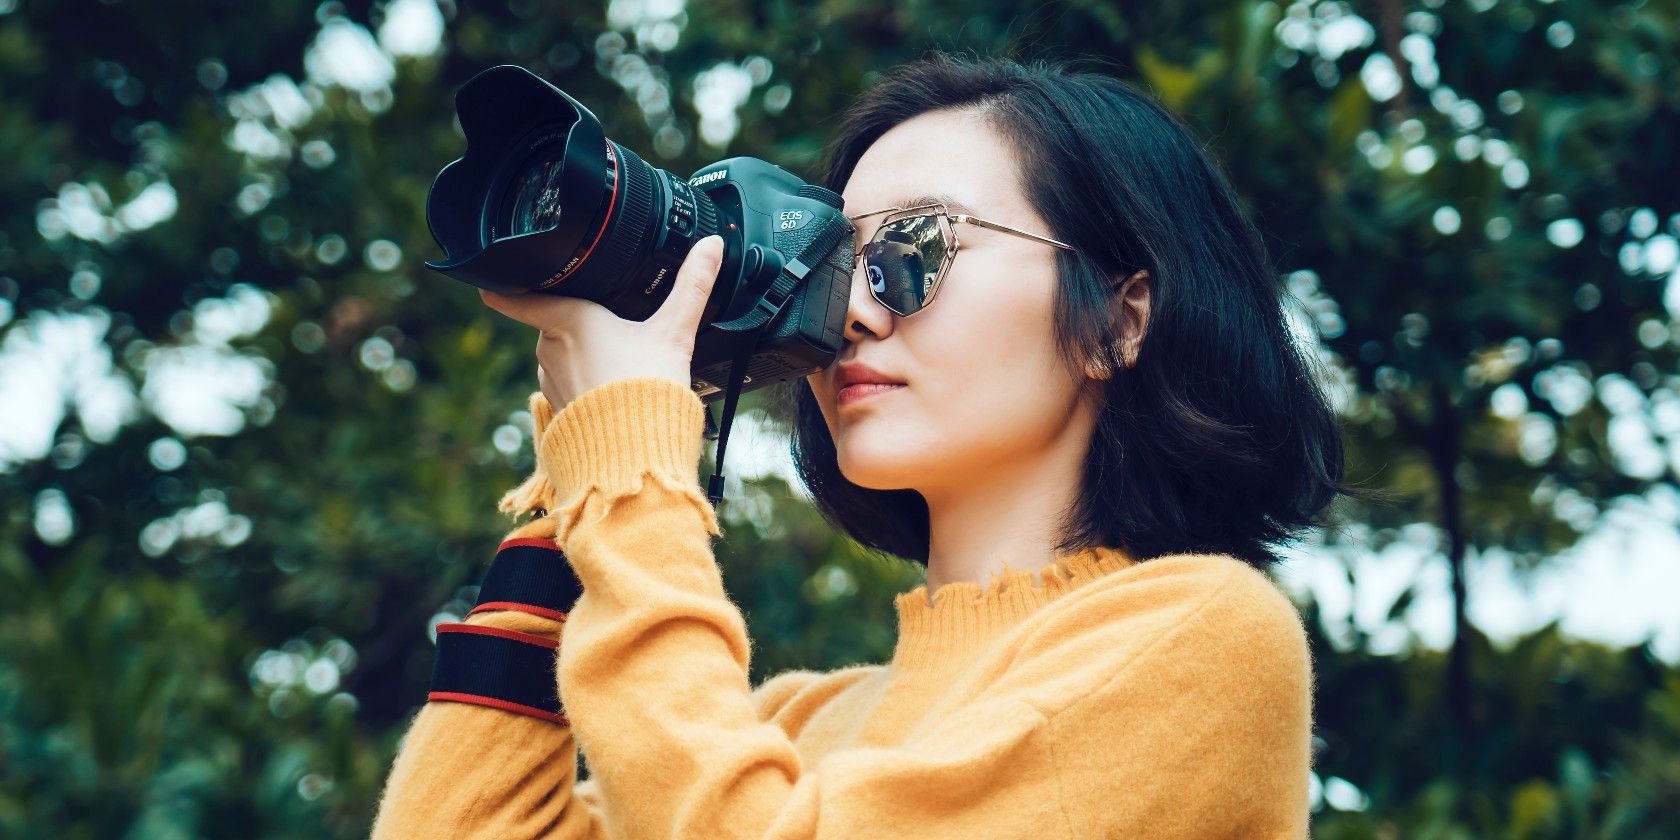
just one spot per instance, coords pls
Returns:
(1133, 300)
(1131, 320)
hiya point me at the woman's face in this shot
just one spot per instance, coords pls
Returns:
(984, 385)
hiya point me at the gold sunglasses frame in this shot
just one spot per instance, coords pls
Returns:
(946, 220)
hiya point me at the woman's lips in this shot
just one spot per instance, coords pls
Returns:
(852, 393)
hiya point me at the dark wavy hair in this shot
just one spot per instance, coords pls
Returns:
(1217, 440)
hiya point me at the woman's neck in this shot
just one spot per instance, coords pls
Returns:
(1011, 512)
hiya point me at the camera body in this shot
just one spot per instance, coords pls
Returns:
(775, 217)
(543, 202)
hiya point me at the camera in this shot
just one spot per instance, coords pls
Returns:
(544, 202)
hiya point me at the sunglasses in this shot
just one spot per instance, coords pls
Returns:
(908, 256)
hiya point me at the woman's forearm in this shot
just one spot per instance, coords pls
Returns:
(470, 770)
(466, 770)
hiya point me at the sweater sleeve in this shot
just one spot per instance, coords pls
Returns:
(467, 771)
(470, 771)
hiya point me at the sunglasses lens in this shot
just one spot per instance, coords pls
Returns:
(902, 262)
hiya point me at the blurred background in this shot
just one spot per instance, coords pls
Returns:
(250, 448)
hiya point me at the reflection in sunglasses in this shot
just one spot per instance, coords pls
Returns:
(896, 275)
(903, 260)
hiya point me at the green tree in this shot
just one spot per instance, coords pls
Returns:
(216, 624)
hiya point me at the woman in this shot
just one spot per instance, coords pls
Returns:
(1090, 441)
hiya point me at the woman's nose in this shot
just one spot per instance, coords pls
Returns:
(865, 314)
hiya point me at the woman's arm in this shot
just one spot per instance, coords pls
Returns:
(467, 770)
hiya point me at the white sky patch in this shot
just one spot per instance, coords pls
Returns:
(242, 312)
(154, 205)
(1565, 233)
(1379, 77)
(1330, 30)
(1616, 586)
(284, 101)
(758, 449)
(1344, 34)
(718, 92)
(207, 520)
(1419, 51)
(657, 24)
(1312, 315)
(1662, 254)
(345, 54)
(1508, 401)
(58, 362)
(1636, 450)
(51, 364)
(1565, 387)
(411, 28)
(257, 140)
(86, 212)
(267, 113)
(202, 389)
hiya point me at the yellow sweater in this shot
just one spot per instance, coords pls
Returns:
(1100, 697)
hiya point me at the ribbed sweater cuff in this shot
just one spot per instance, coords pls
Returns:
(612, 436)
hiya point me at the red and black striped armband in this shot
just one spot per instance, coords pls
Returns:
(529, 575)
(502, 669)
(507, 669)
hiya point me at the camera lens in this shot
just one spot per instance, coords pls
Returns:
(544, 201)
(627, 252)
(536, 205)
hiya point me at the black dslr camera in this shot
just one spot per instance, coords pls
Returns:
(544, 202)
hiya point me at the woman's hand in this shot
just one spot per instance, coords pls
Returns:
(582, 344)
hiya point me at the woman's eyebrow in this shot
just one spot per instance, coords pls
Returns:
(950, 203)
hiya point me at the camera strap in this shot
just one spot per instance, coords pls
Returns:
(765, 310)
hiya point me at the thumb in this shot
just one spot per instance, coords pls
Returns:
(685, 305)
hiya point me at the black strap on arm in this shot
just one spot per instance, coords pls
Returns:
(501, 669)
(507, 669)
(529, 575)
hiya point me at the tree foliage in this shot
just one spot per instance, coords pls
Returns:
(215, 623)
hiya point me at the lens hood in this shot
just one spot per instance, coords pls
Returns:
(509, 115)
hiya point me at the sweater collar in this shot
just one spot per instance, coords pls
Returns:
(960, 617)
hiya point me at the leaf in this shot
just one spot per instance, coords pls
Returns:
(1173, 83)
(1350, 113)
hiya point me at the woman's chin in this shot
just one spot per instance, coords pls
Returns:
(879, 470)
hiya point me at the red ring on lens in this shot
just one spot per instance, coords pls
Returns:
(618, 174)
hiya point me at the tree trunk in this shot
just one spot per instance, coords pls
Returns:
(1442, 439)
(1445, 451)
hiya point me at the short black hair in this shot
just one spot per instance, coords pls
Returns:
(1218, 439)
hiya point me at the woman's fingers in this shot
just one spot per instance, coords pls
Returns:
(582, 344)
(681, 311)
